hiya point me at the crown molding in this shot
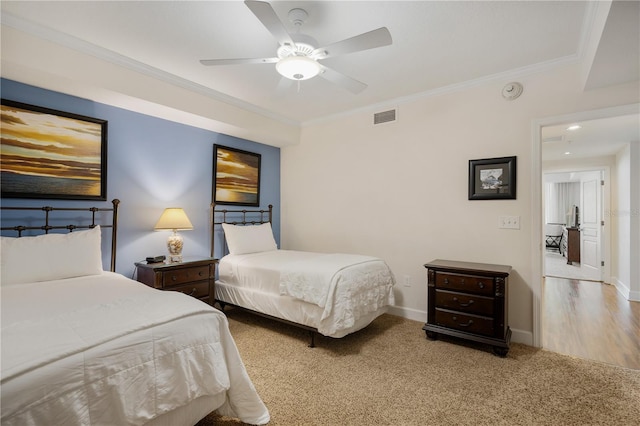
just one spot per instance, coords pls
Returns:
(107, 55)
(453, 88)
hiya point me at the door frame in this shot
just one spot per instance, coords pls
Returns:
(599, 227)
(537, 213)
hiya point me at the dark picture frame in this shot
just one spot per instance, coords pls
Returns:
(236, 176)
(51, 154)
(492, 179)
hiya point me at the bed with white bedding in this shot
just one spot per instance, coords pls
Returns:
(334, 294)
(92, 347)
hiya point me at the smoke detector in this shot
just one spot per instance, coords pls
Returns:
(512, 91)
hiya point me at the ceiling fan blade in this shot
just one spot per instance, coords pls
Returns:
(265, 13)
(239, 61)
(342, 80)
(369, 40)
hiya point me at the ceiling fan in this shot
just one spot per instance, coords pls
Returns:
(298, 55)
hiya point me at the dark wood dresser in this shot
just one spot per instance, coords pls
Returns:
(469, 300)
(193, 276)
(571, 244)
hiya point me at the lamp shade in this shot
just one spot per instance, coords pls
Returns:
(173, 218)
(298, 67)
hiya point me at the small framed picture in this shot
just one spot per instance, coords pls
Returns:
(236, 176)
(492, 179)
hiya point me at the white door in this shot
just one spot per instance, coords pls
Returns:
(590, 225)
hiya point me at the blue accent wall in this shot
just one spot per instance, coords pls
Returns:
(153, 164)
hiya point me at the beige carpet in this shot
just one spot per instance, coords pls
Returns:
(390, 374)
(556, 265)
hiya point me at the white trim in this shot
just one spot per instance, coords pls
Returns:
(85, 47)
(453, 88)
(522, 336)
(536, 198)
(110, 56)
(408, 313)
(622, 288)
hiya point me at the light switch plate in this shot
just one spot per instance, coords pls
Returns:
(509, 222)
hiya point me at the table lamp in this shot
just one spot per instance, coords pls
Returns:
(174, 219)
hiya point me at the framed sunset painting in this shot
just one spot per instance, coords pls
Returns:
(47, 153)
(236, 176)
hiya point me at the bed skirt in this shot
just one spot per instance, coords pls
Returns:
(289, 309)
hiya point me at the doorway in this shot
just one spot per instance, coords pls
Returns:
(537, 219)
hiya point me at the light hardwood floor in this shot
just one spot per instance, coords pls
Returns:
(591, 320)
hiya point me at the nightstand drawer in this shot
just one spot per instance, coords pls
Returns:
(466, 283)
(465, 322)
(184, 275)
(462, 302)
(198, 289)
(192, 276)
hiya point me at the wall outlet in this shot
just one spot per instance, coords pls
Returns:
(509, 222)
(407, 281)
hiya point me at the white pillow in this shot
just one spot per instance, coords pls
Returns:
(243, 239)
(50, 257)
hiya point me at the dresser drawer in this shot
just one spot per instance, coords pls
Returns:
(184, 275)
(198, 289)
(463, 302)
(465, 283)
(464, 322)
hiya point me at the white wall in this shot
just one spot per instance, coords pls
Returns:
(634, 217)
(625, 217)
(399, 190)
(620, 218)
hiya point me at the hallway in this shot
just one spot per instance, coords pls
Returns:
(590, 320)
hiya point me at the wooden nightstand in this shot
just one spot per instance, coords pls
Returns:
(469, 300)
(192, 276)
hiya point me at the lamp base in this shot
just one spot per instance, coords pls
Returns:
(174, 245)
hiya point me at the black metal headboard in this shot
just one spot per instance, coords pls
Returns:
(48, 227)
(237, 217)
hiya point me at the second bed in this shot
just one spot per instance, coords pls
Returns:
(334, 294)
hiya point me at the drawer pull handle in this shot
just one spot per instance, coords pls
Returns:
(193, 291)
(446, 280)
(481, 284)
(173, 278)
(470, 322)
(200, 273)
(464, 305)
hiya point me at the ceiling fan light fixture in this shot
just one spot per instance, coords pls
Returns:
(298, 68)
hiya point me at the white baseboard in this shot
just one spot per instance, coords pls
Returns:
(621, 287)
(408, 313)
(522, 336)
(517, 336)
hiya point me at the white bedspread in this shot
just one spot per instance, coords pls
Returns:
(345, 287)
(315, 279)
(108, 350)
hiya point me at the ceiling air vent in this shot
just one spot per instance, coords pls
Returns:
(552, 139)
(384, 117)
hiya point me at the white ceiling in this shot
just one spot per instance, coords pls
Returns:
(437, 45)
(594, 138)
